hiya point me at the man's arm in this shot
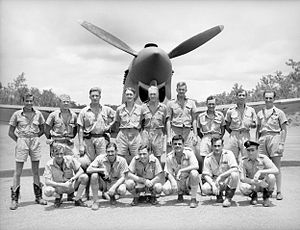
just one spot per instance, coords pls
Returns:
(11, 133)
(136, 178)
(41, 128)
(47, 131)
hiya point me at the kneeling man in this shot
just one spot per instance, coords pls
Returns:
(145, 175)
(181, 171)
(108, 173)
(63, 174)
(257, 174)
(220, 172)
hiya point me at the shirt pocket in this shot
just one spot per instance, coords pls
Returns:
(274, 119)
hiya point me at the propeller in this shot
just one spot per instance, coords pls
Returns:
(196, 41)
(109, 38)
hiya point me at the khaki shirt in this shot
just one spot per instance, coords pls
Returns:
(272, 123)
(181, 116)
(188, 159)
(116, 170)
(95, 124)
(211, 125)
(248, 168)
(213, 168)
(26, 126)
(154, 120)
(148, 171)
(55, 173)
(129, 120)
(59, 126)
(240, 121)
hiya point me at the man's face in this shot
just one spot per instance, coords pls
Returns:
(241, 97)
(217, 147)
(153, 95)
(211, 104)
(95, 97)
(181, 90)
(252, 152)
(144, 155)
(129, 96)
(269, 98)
(65, 104)
(28, 102)
(177, 146)
(111, 154)
(58, 154)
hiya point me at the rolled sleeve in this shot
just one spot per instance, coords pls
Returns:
(206, 168)
(47, 172)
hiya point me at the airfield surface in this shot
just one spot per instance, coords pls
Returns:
(168, 214)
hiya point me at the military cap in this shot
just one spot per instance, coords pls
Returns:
(248, 143)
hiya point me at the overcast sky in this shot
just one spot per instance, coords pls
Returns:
(44, 40)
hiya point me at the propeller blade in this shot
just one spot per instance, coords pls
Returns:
(196, 41)
(109, 38)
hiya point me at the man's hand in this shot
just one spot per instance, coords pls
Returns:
(169, 141)
(257, 175)
(111, 191)
(81, 150)
(178, 176)
(280, 148)
(218, 180)
(195, 139)
(148, 183)
(215, 189)
(68, 184)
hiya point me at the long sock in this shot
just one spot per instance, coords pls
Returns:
(79, 191)
(194, 189)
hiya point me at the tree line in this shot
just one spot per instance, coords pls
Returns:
(286, 86)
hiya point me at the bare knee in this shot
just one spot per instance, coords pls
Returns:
(157, 188)
(84, 178)
(94, 178)
(130, 185)
(122, 190)
(49, 191)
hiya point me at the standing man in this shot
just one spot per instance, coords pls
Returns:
(129, 117)
(181, 170)
(63, 174)
(257, 174)
(220, 173)
(61, 125)
(154, 117)
(239, 120)
(94, 121)
(108, 173)
(271, 133)
(29, 126)
(211, 123)
(145, 175)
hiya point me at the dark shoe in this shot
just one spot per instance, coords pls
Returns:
(135, 201)
(14, 198)
(153, 200)
(70, 196)
(253, 196)
(180, 198)
(38, 194)
(219, 199)
(279, 196)
(193, 203)
(266, 202)
(80, 203)
(58, 202)
(112, 200)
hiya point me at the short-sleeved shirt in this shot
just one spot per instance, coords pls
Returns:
(95, 124)
(115, 170)
(214, 168)
(59, 125)
(240, 121)
(55, 173)
(181, 116)
(209, 125)
(129, 120)
(147, 171)
(248, 168)
(27, 126)
(154, 120)
(188, 159)
(272, 123)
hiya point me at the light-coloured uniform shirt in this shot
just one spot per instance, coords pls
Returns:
(213, 168)
(147, 171)
(209, 125)
(240, 121)
(115, 170)
(154, 120)
(188, 159)
(181, 116)
(27, 126)
(59, 125)
(55, 173)
(95, 124)
(129, 120)
(248, 168)
(272, 123)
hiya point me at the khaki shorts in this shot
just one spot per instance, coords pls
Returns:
(95, 146)
(186, 133)
(128, 142)
(269, 144)
(155, 139)
(28, 146)
(236, 143)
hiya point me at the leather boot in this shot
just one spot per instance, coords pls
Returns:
(229, 193)
(38, 194)
(15, 193)
(266, 195)
(253, 196)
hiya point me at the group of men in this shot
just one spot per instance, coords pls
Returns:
(192, 144)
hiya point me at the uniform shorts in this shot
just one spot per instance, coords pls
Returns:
(186, 133)
(205, 145)
(155, 139)
(95, 146)
(28, 146)
(269, 144)
(236, 143)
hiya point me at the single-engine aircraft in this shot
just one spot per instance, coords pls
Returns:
(152, 65)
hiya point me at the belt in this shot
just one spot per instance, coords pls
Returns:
(269, 132)
(179, 127)
(240, 131)
(210, 134)
(90, 135)
(149, 129)
(63, 141)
